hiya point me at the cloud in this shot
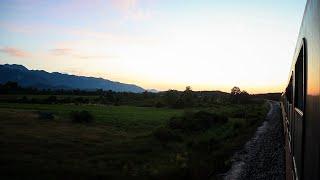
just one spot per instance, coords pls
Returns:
(16, 28)
(125, 5)
(61, 51)
(14, 52)
(131, 9)
(112, 37)
(75, 54)
(79, 56)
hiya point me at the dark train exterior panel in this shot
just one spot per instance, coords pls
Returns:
(301, 99)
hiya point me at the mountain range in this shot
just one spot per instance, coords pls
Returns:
(44, 80)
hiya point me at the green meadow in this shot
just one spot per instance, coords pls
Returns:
(123, 142)
(117, 116)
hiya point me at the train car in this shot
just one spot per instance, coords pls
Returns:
(301, 100)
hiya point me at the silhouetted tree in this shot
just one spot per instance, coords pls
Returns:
(187, 97)
(110, 97)
(235, 91)
(99, 91)
(244, 97)
(238, 96)
(171, 98)
(188, 89)
(235, 94)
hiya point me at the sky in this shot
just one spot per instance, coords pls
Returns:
(156, 44)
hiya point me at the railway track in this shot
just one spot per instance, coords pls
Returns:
(263, 157)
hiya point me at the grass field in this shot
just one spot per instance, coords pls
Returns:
(117, 116)
(119, 144)
(4, 97)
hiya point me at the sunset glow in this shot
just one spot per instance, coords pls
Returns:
(156, 44)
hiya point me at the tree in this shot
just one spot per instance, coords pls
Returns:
(235, 91)
(187, 97)
(244, 93)
(238, 96)
(145, 94)
(188, 89)
(244, 97)
(171, 97)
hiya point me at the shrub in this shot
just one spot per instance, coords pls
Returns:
(24, 99)
(239, 114)
(45, 115)
(176, 123)
(198, 121)
(66, 100)
(81, 100)
(239, 124)
(165, 135)
(203, 144)
(51, 99)
(159, 104)
(81, 116)
(211, 118)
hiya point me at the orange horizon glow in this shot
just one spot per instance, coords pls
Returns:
(208, 45)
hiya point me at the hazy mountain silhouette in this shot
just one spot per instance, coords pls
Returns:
(152, 90)
(45, 80)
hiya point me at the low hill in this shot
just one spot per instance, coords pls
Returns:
(45, 80)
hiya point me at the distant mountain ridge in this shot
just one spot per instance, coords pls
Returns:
(45, 80)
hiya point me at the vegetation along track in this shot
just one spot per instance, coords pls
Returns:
(263, 156)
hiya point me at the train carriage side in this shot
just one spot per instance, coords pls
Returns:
(301, 100)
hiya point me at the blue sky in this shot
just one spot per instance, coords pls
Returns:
(162, 44)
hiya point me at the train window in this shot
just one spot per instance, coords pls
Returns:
(289, 91)
(299, 81)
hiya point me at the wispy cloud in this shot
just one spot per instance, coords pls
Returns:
(131, 9)
(11, 51)
(16, 28)
(125, 5)
(79, 56)
(83, 33)
(112, 37)
(61, 51)
(75, 54)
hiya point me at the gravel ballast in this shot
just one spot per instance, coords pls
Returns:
(263, 157)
